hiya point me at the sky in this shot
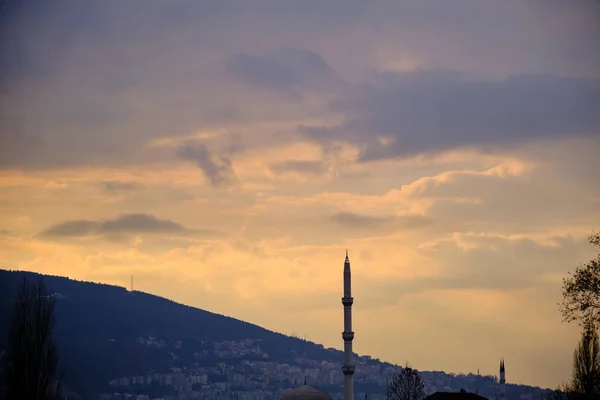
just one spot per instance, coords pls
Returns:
(227, 153)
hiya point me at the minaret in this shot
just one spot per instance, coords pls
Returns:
(502, 380)
(348, 335)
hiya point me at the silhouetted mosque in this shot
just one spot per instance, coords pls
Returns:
(309, 392)
(305, 392)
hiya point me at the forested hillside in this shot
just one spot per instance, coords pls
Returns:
(97, 326)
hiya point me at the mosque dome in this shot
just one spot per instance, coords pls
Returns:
(305, 392)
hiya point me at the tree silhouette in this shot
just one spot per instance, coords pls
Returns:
(581, 291)
(31, 360)
(586, 366)
(562, 392)
(407, 385)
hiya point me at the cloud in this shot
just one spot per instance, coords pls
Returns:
(216, 169)
(127, 223)
(301, 166)
(95, 101)
(72, 228)
(358, 221)
(481, 263)
(403, 114)
(120, 186)
(514, 197)
(139, 223)
(285, 69)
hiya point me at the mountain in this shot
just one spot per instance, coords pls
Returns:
(97, 326)
(105, 333)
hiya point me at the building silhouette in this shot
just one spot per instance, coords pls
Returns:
(502, 382)
(348, 334)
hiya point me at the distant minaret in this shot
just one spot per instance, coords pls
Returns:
(348, 335)
(502, 381)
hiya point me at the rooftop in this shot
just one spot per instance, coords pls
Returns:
(305, 392)
(462, 395)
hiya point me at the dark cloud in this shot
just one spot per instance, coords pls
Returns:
(217, 169)
(109, 86)
(139, 223)
(285, 69)
(357, 221)
(352, 220)
(128, 223)
(118, 186)
(403, 114)
(302, 166)
(72, 228)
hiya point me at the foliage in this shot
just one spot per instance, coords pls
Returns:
(581, 291)
(32, 358)
(407, 385)
(586, 365)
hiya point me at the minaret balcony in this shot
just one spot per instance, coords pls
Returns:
(348, 370)
(347, 301)
(347, 336)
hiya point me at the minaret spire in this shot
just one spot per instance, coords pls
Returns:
(502, 380)
(348, 335)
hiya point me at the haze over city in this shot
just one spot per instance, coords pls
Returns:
(228, 153)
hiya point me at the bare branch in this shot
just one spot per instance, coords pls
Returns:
(407, 385)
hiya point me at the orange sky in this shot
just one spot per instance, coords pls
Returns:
(227, 156)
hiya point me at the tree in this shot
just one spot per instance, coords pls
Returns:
(581, 291)
(407, 385)
(586, 365)
(562, 392)
(32, 358)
